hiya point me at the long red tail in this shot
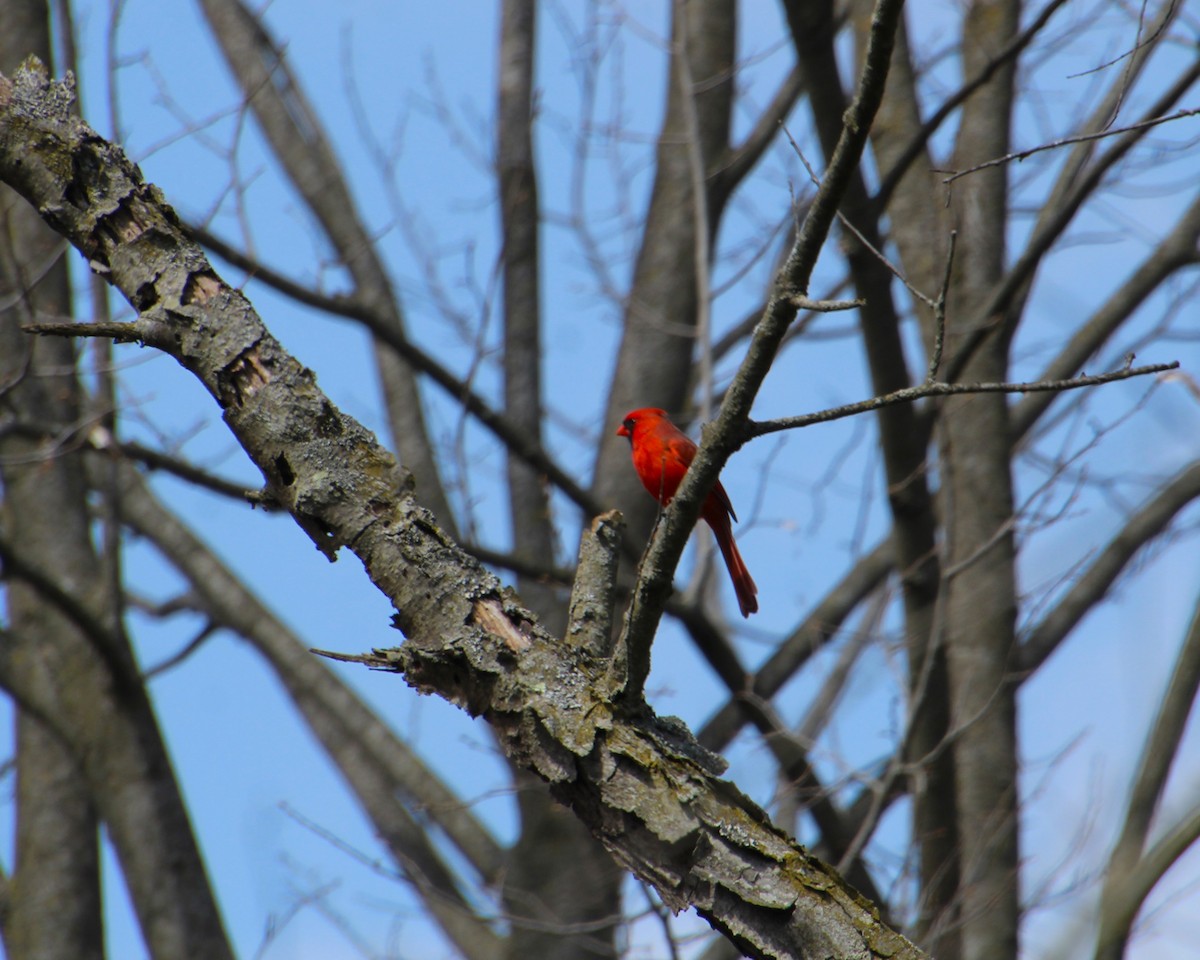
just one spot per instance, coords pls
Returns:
(743, 583)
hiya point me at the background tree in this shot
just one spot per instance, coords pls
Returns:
(901, 699)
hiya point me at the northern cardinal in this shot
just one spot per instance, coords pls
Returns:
(661, 455)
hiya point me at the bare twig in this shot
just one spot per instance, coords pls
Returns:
(178, 467)
(941, 389)
(1068, 141)
(181, 655)
(118, 332)
(801, 302)
(939, 313)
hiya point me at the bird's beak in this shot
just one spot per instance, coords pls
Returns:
(622, 431)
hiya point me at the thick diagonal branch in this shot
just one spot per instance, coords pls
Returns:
(644, 788)
(297, 138)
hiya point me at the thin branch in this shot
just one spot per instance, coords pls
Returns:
(810, 636)
(801, 302)
(940, 389)
(939, 312)
(725, 435)
(862, 238)
(181, 655)
(1131, 875)
(1177, 250)
(184, 470)
(916, 146)
(1066, 142)
(741, 159)
(1073, 188)
(1141, 43)
(119, 332)
(514, 438)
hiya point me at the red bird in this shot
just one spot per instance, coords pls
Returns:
(661, 455)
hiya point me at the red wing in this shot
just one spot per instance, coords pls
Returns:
(682, 452)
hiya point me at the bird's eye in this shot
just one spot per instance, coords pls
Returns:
(627, 423)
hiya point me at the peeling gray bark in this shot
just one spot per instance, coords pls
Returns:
(641, 785)
(298, 141)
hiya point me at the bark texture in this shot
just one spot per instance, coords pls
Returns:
(979, 515)
(53, 904)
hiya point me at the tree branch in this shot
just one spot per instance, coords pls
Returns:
(916, 146)
(1073, 188)
(1019, 155)
(643, 786)
(297, 139)
(1177, 249)
(1095, 582)
(1132, 874)
(725, 435)
(740, 160)
(515, 439)
(356, 739)
(941, 389)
